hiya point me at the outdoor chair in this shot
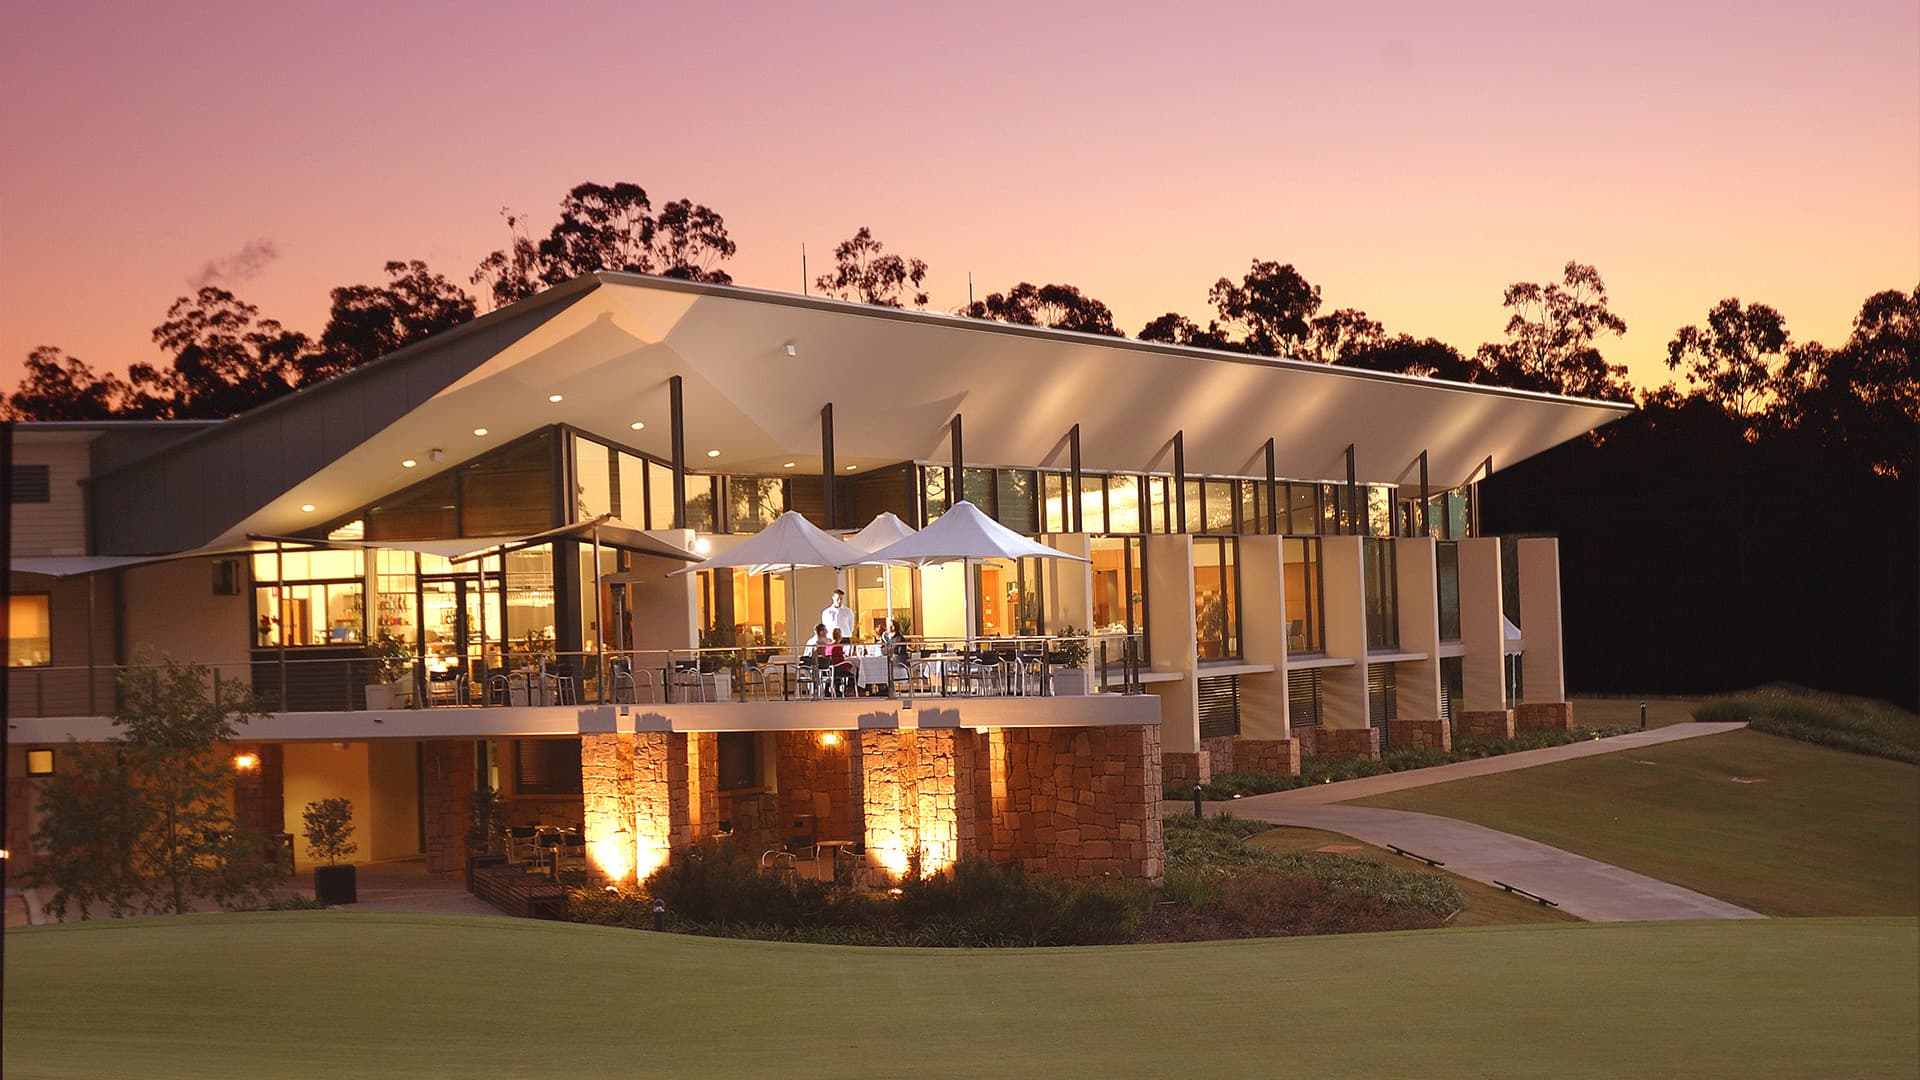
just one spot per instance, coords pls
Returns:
(521, 843)
(626, 690)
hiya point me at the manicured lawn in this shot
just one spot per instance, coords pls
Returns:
(328, 994)
(1781, 827)
(1486, 905)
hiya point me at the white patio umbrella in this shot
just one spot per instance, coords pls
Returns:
(884, 529)
(966, 535)
(791, 542)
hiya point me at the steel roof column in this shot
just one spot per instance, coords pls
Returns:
(1273, 485)
(1072, 516)
(677, 417)
(1426, 523)
(956, 487)
(1352, 499)
(827, 466)
(1179, 494)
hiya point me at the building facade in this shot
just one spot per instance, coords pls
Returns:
(453, 568)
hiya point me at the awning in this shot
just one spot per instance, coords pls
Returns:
(67, 566)
(610, 530)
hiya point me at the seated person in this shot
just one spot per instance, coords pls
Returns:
(893, 643)
(842, 662)
(814, 655)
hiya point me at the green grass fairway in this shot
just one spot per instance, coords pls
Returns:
(1816, 832)
(329, 994)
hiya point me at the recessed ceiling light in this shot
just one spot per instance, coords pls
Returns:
(713, 453)
(479, 431)
(408, 464)
(638, 425)
(555, 398)
(850, 468)
(786, 465)
(306, 508)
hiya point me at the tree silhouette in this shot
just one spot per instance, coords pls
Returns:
(1551, 335)
(1272, 305)
(862, 273)
(1338, 334)
(226, 360)
(1431, 358)
(607, 227)
(370, 321)
(1863, 397)
(1174, 328)
(1732, 361)
(1062, 307)
(61, 387)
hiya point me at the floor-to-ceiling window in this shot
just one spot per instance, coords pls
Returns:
(1383, 607)
(1216, 597)
(309, 598)
(1447, 585)
(1120, 587)
(1300, 577)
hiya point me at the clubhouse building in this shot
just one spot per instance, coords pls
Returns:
(454, 568)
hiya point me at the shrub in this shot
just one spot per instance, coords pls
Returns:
(715, 882)
(1856, 725)
(329, 828)
(977, 902)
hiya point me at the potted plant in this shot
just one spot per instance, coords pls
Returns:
(1068, 658)
(392, 662)
(486, 823)
(330, 836)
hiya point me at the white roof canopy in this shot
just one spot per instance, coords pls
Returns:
(790, 541)
(964, 532)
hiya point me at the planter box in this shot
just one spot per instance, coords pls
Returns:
(1069, 682)
(379, 696)
(335, 885)
(475, 862)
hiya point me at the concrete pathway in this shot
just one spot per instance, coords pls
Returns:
(1592, 890)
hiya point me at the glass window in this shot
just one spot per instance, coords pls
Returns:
(30, 630)
(701, 515)
(659, 496)
(1016, 501)
(1216, 597)
(1190, 504)
(1301, 582)
(1093, 504)
(1219, 501)
(1303, 698)
(1123, 504)
(1332, 497)
(630, 501)
(1054, 487)
(424, 511)
(1303, 510)
(530, 611)
(1447, 574)
(933, 491)
(739, 760)
(509, 493)
(1459, 514)
(1012, 599)
(592, 479)
(1383, 606)
(1253, 505)
(753, 502)
(979, 489)
(1157, 520)
(319, 601)
(1120, 587)
(1379, 510)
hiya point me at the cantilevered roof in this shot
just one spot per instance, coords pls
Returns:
(895, 379)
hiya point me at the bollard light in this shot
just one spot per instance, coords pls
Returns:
(1643, 716)
(659, 914)
(1197, 811)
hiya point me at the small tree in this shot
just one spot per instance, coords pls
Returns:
(143, 821)
(486, 817)
(330, 829)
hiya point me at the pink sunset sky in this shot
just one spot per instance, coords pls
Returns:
(1411, 159)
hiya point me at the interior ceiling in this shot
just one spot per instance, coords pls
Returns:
(896, 379)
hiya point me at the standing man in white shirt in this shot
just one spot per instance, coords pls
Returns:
(838, 616)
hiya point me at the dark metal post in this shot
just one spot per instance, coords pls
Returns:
(1643, 716)
(1473, 496)
(1273, 487)
(1198, 812)
(956, 485)
(1352, 498)
(827, 464)
(1180, 480)
(1073, 515)
(677, 418)
(1426, 523)
(280, 602)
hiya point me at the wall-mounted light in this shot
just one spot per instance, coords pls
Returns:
(829, 738)
(246, 762)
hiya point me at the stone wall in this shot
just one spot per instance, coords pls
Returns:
(1544, 716)
(608, 805)
(446, 767)
(1085, 802)
(1322, 741)
(1187, 769)
(1497, 723)
(816, 783)
(1220, 756)
(1267, 756)
(1433, 734)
